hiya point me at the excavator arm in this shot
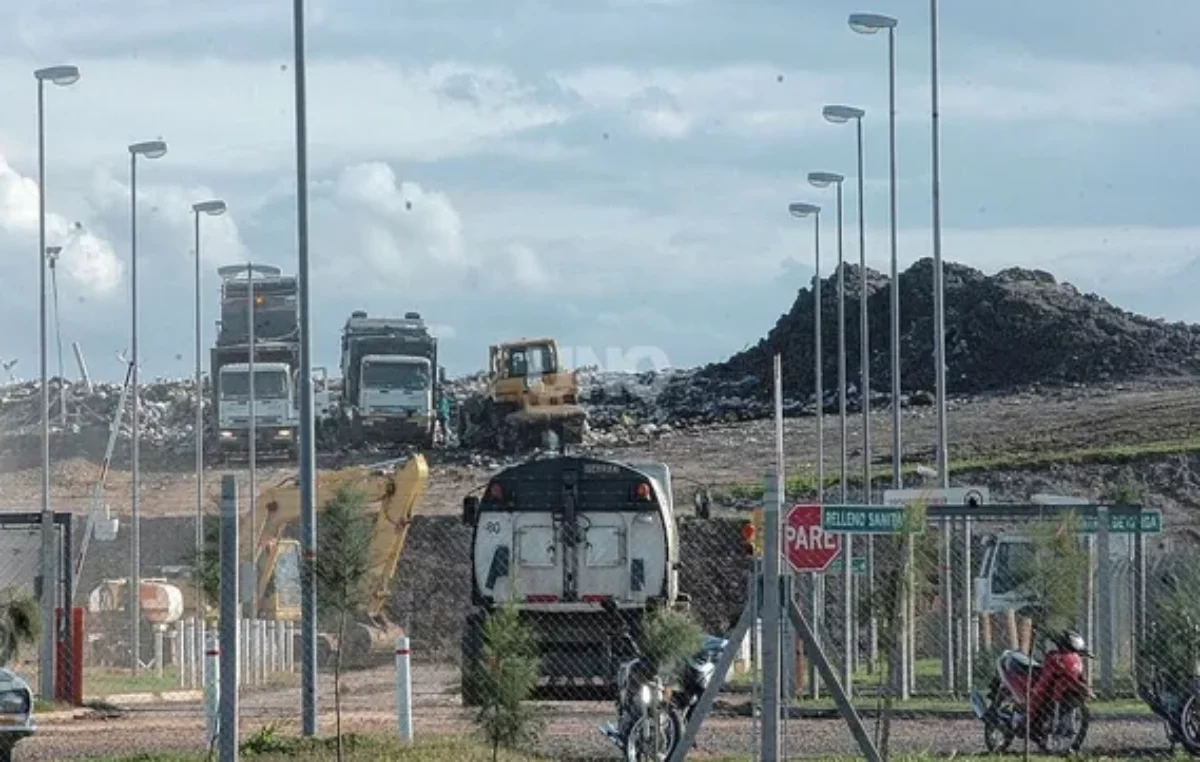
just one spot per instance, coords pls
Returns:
(392, 495)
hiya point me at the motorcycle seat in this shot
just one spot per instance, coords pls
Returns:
(1018, 660)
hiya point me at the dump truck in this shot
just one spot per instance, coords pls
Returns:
(392, 490)
(558, 536)
(529, 396)
(276, 359)
(390, 381)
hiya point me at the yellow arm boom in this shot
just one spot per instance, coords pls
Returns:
(396, 494)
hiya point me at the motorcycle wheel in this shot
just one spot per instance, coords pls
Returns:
(996, 737)
(1048, 739)
(670, 732)
(1189, 725)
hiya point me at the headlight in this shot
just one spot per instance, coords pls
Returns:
(283, 433)
(14, 702)
(644, 696)
(226, 435)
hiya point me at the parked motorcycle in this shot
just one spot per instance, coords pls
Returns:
(1170, 682)
(652, 711)
(1055, 700)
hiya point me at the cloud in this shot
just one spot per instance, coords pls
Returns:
(87, 260)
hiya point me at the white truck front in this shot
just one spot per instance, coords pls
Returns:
(557, 537)
(395, 398)
(275, 413)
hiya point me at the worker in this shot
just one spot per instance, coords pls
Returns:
(443, 417)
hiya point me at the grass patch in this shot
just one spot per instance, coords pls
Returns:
(99, 683)
(806, 482)
(375, 749)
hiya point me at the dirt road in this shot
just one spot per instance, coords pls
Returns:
(571, 731)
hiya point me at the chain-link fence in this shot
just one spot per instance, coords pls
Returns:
(1016, 583)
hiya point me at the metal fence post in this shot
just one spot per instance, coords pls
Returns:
(229, 620)
(403, 690)
(771, 616)
(212, 688)
(1104, 591)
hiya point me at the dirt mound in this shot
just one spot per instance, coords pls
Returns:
(1012, 330)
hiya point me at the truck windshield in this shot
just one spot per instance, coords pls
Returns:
(411, 378)
(268, 384)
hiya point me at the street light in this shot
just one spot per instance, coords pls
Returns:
(62, 76)
(150, 149)
(52, 255)
(801, 210)
(870, 23)
(213, 208)
(824, 180)
(839, 114)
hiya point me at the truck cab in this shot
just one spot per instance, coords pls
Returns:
(396, 387)
(559, 536)
(275, 413)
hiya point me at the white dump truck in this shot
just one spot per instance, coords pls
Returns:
(558, 536)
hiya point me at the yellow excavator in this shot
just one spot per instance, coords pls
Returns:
(392, 492)
(529, 395)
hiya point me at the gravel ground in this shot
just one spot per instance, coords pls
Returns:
(571, 730)
(735, 453)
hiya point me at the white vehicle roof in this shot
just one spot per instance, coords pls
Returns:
(396, 360)
(258, 366)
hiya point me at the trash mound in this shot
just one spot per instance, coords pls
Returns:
(1010, 331)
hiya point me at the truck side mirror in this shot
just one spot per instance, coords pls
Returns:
(702, 503)
(470, 507)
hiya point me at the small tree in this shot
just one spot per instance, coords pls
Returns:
(904, 564)
(19, 624)
(1054, 573)
(668, 636)
(505, 680)
(339, 571)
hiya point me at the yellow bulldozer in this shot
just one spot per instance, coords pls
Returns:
(529, 395)
(392, 492)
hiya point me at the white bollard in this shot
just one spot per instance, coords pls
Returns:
(260, 643)
(200, 649)
(404, 689)
(160, 633)
(290, 646)
(212, 690)
(187, 652)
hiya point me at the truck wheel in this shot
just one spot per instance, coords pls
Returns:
(472, 652)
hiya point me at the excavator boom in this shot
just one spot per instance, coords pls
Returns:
(392, 495)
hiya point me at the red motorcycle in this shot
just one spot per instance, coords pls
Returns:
(1053, 693)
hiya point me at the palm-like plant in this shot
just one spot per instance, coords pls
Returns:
(19, 624)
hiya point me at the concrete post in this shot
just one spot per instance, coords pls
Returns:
(229, 620)
(212, 689)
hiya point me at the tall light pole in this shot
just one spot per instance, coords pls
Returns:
(62, 76)
(870, 23)
(840, 114)
(308, 517)
(801, 210)
(150, 149)
(52, 255)
(939, 362)
(212, 208)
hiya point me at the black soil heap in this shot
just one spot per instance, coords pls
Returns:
(1012, 330)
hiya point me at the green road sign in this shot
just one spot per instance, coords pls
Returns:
(858, 567)
(862, 519)
(1151, 523)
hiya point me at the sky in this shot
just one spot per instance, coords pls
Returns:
(613, 173)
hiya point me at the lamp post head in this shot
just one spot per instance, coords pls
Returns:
(215, 207)
(824, 179)
(59, 75)
(801, 209)
(841, 114)
(52, 253)
(870, 23)
(151, 149)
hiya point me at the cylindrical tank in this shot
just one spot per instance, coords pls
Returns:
(161, 602)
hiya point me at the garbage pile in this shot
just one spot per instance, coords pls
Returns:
(1015, 330)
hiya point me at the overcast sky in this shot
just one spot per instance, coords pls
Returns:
(615, 173)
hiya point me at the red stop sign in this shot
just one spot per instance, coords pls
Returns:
(806, 546)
